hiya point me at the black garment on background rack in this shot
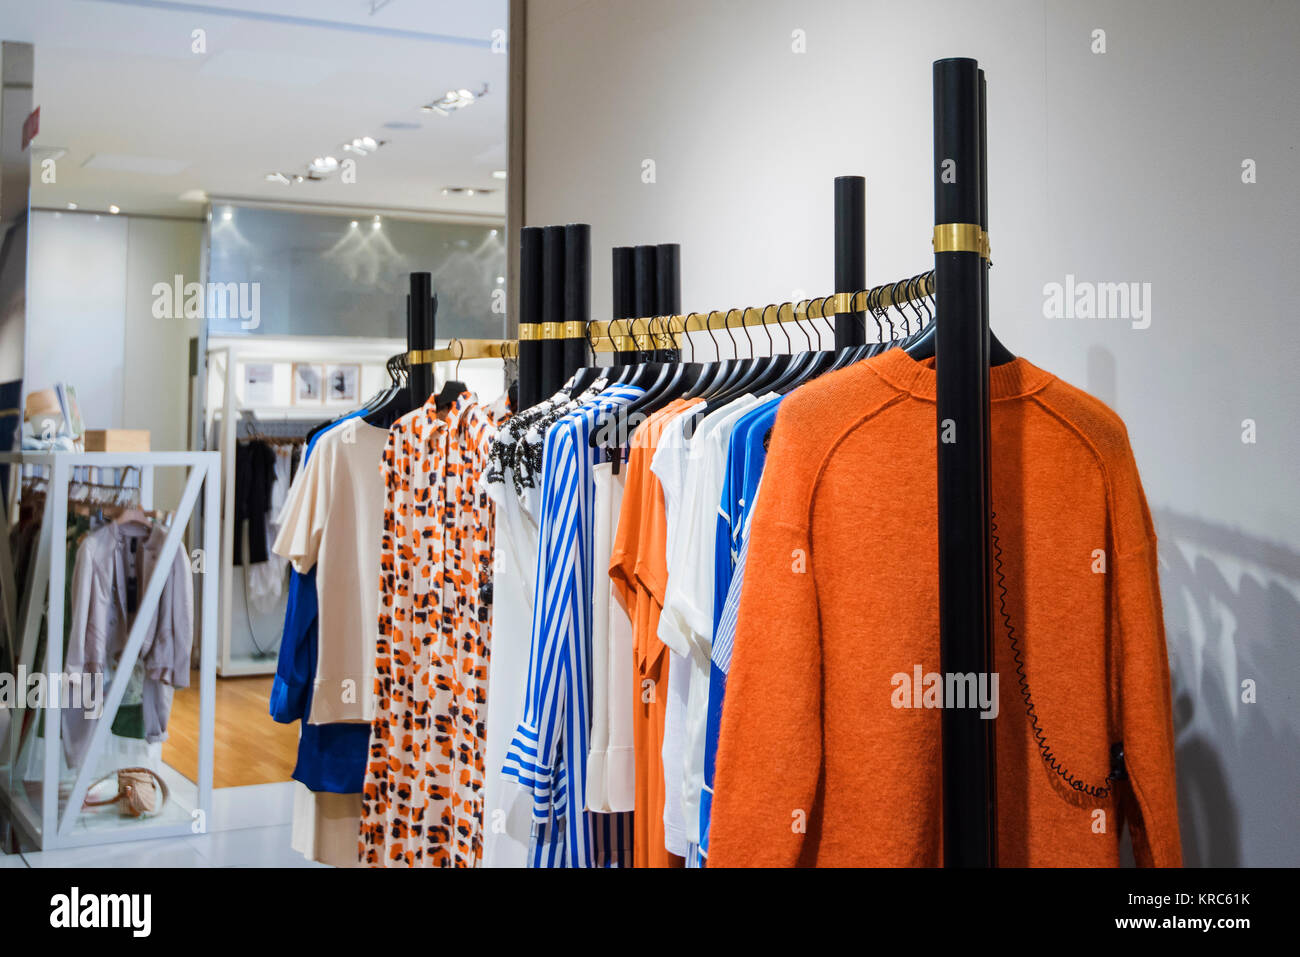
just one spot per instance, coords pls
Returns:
(254, 478)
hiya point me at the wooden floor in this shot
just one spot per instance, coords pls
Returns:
(250, 748)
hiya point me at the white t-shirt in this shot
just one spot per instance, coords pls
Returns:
(611, 765)
(333, 520)
(669, 466)
(687, 621)
(508, 810)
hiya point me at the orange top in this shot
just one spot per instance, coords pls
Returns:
(818, 764)
(639, 570)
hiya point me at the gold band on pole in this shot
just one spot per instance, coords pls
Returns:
(574, 330)
(960, 238)
(529, 331)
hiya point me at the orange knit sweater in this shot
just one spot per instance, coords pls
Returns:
(817, 764)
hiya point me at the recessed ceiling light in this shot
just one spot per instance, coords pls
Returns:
(454, 100)
(72, 205)
(498, 174)
(466, 191)
(277, 178)
(114, 209)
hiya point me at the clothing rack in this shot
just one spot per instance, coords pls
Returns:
(959, 285)
(613, 335)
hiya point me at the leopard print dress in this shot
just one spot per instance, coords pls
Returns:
(422, 804)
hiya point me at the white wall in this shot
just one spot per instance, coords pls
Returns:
(1123, 166)
(90, 323)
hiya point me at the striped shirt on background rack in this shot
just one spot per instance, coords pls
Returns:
(548, 754)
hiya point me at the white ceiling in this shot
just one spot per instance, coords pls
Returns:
(282, 81)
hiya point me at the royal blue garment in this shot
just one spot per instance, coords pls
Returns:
(746, 455)
(331, 757)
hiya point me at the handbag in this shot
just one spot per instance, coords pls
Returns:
(136, 791)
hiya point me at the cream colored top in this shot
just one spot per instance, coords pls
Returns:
(333, 520)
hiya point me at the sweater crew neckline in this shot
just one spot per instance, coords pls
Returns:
(1013, 379)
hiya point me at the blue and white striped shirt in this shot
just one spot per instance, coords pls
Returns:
(548, 754)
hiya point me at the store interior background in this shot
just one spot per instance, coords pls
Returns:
(1122, 166)
(178, 133)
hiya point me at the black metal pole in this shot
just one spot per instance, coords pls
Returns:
(668, 297)
(961, 362)
(850, 254)
(624, 297)
(530, 316)
(552, 308)
(990, 657)
(577, 296)
(645, 294)
(419, 335)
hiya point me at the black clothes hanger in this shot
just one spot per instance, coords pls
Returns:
(398, 401)
(586, 377)
(800, 363)
(740, 365)
(922, 347)
(672, 382)
(453, 387)
(767, 369)
(724, 384)
(711, 370)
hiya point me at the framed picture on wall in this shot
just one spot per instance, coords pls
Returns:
(342, 382)
(308, 383)
(259, 383)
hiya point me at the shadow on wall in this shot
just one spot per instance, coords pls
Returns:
(1232, 616)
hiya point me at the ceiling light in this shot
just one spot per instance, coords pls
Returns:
(498, 174)
(375, 223)
(454, 100)
(72, 205)
(277, 178)
(466, 191)
(114, 209)
(323, 165)
(298, 178)
(193, 196)
(353, 224)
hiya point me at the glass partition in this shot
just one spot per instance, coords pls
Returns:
(310, 274)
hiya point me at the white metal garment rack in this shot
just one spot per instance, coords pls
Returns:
(44, 826)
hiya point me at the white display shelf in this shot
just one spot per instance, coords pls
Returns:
(48, 811)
